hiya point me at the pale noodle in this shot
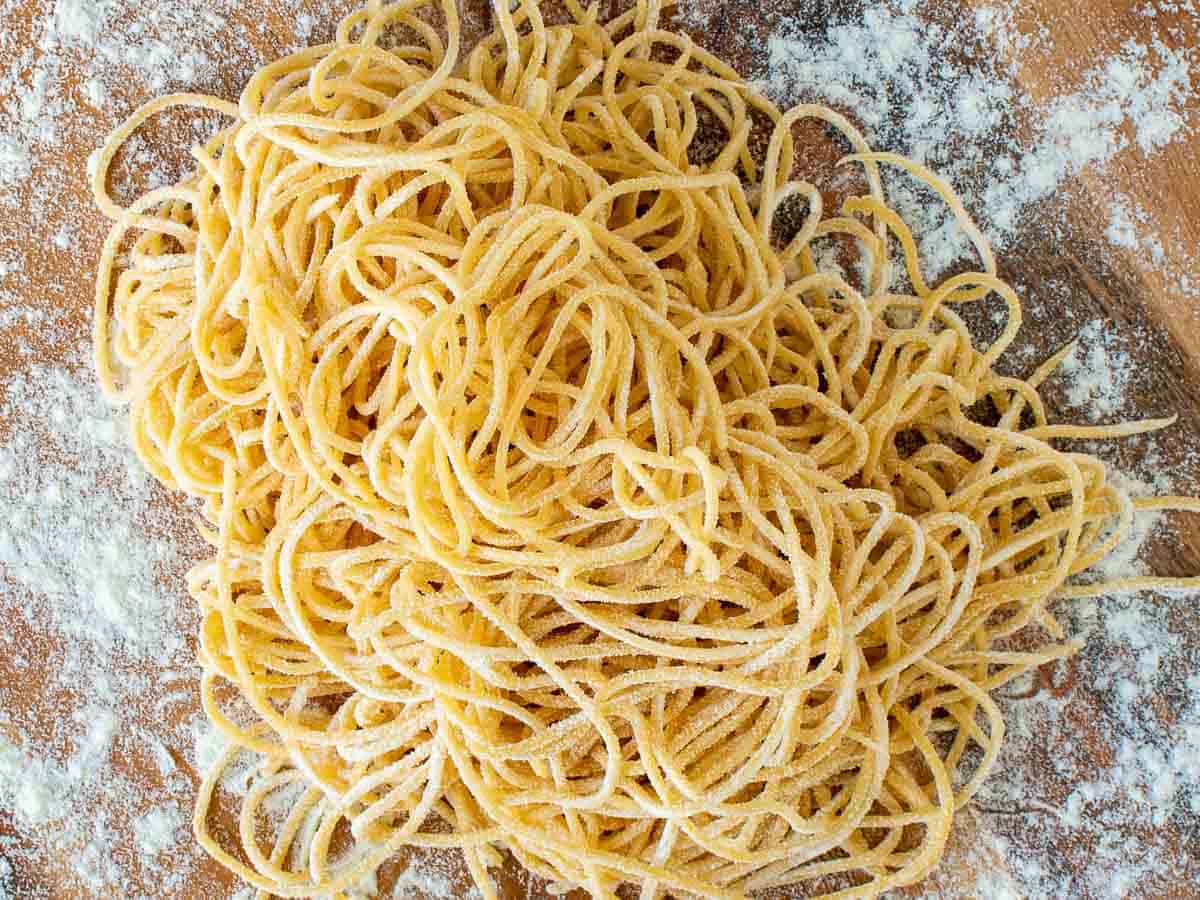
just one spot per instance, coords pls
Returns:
(559, 504)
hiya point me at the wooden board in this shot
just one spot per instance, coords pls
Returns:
(1091, 279)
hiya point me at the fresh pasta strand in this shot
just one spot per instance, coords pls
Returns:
(560, 507)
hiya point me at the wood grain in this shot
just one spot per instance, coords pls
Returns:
(1166, 184)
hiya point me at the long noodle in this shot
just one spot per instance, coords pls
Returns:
(559, 505)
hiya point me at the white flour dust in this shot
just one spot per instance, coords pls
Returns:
(925, 81)
(91, 569)
(1096, 373)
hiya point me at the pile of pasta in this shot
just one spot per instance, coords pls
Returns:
(560, 504)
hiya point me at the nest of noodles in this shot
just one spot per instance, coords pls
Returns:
(557, 505)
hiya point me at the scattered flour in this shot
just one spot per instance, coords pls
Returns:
(1108, 799)
(1125, 558)
(91, 574)
(414, 882)
(433, 875)
(208, 744)
(1097, 373)
(160, 829)
(15, 161)
(1142, 89)
(925, 81)
(64, 469)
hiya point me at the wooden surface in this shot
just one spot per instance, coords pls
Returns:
(1091, 280)
(1166, 184)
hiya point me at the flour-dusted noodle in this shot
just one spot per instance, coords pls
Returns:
(562, 506)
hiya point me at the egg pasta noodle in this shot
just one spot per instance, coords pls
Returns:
(558, 504)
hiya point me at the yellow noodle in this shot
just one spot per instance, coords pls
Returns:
(556, 507)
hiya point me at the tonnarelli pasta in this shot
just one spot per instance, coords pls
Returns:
(559, 504)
